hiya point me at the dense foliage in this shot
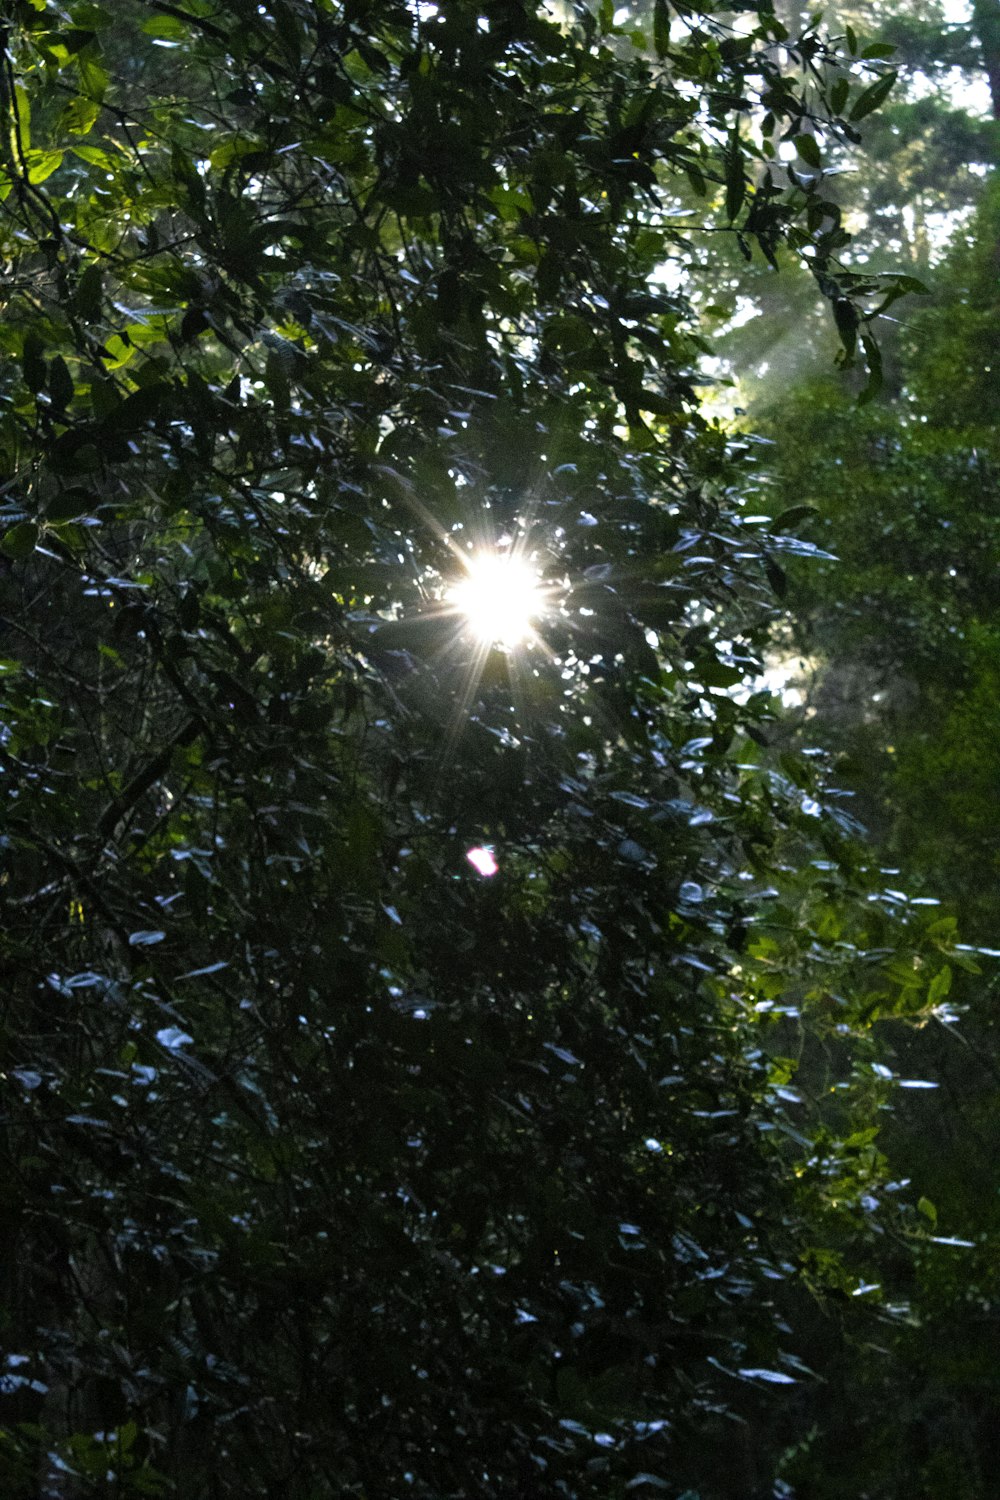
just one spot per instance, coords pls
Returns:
(917, 171)
(332, 1167)
(894, 646)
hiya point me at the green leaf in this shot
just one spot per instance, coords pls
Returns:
(873, 356)
(41, 165)
(927, 1208)
(89, 292)
(776, 577)
(940, 986)
(718, 674)
(93, 79)
(141, 407)
(808, 149)
(93, 156)
(22, 118)
(61, 386)
(118, 351)
(33, 362)
(70, 505)
(234, 148)
(94, 17)
(166, 28)
(661, 28)
(276, 379)
(791, 517)
(696, 178)
(79, 115)
(847, 319)
(19, 541)
(735, 176)
(907, 282)
(873, 97)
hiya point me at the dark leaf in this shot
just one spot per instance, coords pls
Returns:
(873, 96)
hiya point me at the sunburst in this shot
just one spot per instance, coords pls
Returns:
(501, 598)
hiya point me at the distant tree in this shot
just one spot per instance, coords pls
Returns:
(898, 626)
(334, 1163)
(904, 180)
(986, 31)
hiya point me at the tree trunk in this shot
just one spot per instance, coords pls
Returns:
(986, 25)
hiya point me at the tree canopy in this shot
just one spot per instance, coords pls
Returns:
(336, 1165)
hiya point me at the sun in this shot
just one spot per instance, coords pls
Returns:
(500, 598)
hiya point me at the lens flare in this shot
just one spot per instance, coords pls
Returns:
(482, 861)
(500, 598)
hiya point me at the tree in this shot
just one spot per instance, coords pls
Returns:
(900, 634)
(905, 180)
(334, 1167)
